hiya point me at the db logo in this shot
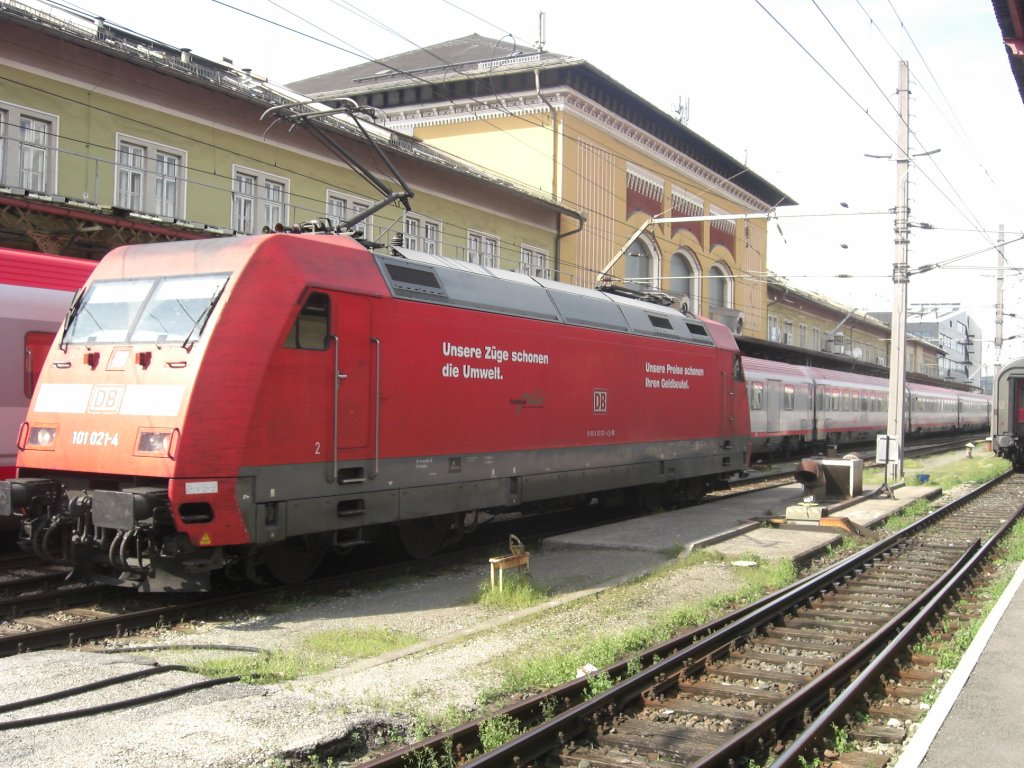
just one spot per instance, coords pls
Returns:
(106, 399)
(600, 401)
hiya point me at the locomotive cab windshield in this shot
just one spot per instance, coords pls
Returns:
(167, 309)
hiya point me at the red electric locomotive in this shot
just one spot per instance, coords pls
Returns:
(250, 403)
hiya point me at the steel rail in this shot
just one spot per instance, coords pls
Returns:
(703, 642)
(851, 696)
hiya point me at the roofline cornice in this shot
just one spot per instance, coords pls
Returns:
(576, 105)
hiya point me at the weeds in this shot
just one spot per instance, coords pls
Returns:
(316, 654)
(518, 592)
(497, 730)
(548, 668)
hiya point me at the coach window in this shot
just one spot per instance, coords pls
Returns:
(756, 396)
(312, 326)
(788, 397)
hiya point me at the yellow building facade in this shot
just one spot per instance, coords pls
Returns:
(562, 128)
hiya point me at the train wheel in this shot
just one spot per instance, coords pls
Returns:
(653, 498)
(423, 536)
(292, 561)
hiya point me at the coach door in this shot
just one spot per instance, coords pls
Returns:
(773, 404)
(357, 363)
(37, 345)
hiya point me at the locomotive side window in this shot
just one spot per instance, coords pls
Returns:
(312, 326)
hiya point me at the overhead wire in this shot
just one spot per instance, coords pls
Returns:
(706, 188)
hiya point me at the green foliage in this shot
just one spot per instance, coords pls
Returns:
(430, 758)
(547, 668)
(519, 592)
(497, 730)
(358, 643)
(599, 683)
(261, 669)
(317, 653)
(840, 739)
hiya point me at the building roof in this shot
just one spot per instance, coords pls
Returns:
(479, 68)
(1010, 17)
(225, 77)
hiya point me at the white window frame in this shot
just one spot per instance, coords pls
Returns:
(13, 149)
(535, 262)
(259, 201)
(340, 206)
(145, 184)
(482, 249)
(422, 234)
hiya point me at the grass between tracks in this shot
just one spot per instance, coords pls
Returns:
(946, 471)
(560, 661)
(317, 653)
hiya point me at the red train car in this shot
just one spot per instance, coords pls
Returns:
(249, 403)
(35, 292)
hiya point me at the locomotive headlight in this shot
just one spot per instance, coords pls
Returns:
(41, 438)
(154, 442)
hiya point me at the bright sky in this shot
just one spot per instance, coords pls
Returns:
(801, 90)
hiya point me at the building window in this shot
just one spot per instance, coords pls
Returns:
(681, 283)
(149, 178)
(787, 332)
(422, 234)
(639, 269)
(534, 262)
(258, 202)
(131, 162)
(243, 217)
(802, 336)
(482, 249)
(816, 336)
(773, 328)
(719, 287)
(342, 208)
(28, 142)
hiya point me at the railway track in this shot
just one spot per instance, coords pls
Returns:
(49, 610)
(775, 680)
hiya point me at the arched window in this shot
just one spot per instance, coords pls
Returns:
(639, 271)
(719, 287)
(681, 283)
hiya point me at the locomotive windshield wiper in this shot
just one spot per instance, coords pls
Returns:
(200, 322)
(69, 319)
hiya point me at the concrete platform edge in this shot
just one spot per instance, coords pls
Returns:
(707, 541)
(915, 752)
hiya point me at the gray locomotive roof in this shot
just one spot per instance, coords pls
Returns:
(440, 280)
